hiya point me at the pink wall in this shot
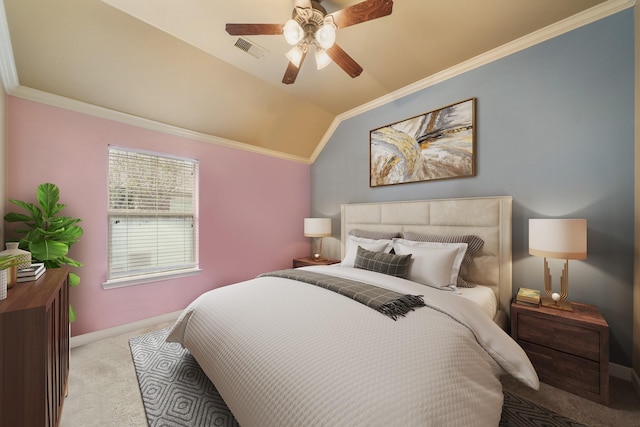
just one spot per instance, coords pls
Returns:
(251, 207)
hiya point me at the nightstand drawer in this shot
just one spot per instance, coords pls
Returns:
(559, 335)
(564, 370)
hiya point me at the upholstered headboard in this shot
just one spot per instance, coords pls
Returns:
(486, 217)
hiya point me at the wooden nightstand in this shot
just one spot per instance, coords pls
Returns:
(569, 349)
(307, 261)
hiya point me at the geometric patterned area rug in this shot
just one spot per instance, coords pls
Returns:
(517, 411)
(176, 392)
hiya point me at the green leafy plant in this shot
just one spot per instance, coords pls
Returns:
(46, 234)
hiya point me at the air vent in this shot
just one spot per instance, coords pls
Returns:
(251, 48)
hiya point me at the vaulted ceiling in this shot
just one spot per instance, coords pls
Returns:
(172, 61)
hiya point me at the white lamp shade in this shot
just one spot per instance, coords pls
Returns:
(292, 32)
(295, 55)
(558, 238)
(322, 59)
(317, 227)
(326, 35)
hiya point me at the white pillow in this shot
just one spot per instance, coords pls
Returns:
(432, 263)
(351, 248)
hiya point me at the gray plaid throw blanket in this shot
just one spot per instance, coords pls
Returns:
(389, 303)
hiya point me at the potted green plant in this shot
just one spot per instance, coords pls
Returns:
(46, 234)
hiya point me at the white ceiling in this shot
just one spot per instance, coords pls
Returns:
(172, 61)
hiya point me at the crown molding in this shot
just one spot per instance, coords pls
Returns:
(554, 30)
(9, 77)
(8, 73)
(129, 119)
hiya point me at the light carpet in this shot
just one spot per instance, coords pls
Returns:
(176, 392)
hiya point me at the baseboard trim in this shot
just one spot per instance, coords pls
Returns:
(90, 337)
(625, 373)
(620, 371)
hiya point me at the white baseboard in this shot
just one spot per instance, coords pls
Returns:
(619, 371)
(122, 329)
(627, 374)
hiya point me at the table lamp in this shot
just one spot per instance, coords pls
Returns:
(561, 239)
(317, 228)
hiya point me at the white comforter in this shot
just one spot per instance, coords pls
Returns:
(285, 353)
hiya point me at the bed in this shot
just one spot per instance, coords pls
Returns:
(486, 217)
(290, 349)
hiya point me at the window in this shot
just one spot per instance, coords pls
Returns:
(153, 222)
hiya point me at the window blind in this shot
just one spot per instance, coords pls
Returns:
(153, 205)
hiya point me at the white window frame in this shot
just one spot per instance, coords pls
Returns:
(150, 213)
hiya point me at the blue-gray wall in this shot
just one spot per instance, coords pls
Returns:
(554, 130)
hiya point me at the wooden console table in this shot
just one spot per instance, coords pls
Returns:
(34, 351)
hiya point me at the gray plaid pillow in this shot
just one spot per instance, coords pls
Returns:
(382, 262)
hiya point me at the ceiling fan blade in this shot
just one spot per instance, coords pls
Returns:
(253, 29)
(291, 73)
(344, 61)
(362, 12)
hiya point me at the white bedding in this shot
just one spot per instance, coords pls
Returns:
(483, 296)
(285, 353)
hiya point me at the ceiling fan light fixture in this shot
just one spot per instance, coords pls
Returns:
(322, 59)
(311, 26)
(326, 35)
(295, 55)
(293, 32)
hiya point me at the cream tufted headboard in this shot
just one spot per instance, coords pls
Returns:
(486, 217)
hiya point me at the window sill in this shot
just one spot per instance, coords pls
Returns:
(149, 278)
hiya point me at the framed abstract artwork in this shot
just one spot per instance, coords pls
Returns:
(439, 144)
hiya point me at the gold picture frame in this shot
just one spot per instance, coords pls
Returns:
(436, 145)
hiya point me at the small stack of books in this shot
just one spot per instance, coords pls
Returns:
(526, 296)
(32, 273)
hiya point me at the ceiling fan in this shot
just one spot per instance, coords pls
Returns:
(311, 25)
